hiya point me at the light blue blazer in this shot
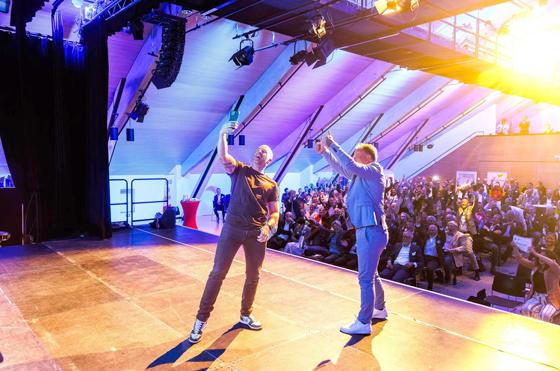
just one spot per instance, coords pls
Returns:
(364, 199)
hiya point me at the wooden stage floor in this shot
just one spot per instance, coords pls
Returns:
(129, 303)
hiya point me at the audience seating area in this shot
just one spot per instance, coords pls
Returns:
(438, 232)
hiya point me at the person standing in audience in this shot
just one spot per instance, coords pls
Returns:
(544, 302)
(529, 198)
(524, 126)
(252, 219)
(456, 245)
(364, 201)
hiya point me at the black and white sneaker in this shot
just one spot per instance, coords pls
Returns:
(196, 333)
(250, 322)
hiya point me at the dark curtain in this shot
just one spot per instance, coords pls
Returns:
(54, 134)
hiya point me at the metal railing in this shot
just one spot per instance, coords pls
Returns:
(121, 203)
(133, 203)
(477, 39)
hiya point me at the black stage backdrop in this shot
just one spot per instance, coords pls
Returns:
(55, 134)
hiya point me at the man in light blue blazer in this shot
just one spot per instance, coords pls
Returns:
(364, 201)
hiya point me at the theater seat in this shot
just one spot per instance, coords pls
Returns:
(510, 286)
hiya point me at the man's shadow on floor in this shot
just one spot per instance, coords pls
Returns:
(206, 357)
(357, 353)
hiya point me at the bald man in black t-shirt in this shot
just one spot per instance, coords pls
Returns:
(251, 220)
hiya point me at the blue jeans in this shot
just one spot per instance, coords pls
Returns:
(370, 243)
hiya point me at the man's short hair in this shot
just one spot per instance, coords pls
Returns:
(369, 149)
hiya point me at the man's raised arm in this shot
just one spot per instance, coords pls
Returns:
(227, 160)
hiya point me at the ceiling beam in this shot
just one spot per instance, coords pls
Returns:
(340, 105)
(258, 95)
(481, 121)
(296, 147)
(396, 115)
(137, 80)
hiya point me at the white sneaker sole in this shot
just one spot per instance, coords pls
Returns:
(254, 328)
(344, 331)
(193, 341)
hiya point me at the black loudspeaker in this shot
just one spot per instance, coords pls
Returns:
(230, 140)
(171, 54)
(130, 135)
(241, 140)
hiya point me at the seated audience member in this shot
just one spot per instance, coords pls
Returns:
(492, 239)
(340, 244)
(293, 205)
(296, 245)
(510, 228)
(544, 297)
(456, 245)
(317, 240)
(219, 204)
(405, 259)
(433, 254)
(283, 234)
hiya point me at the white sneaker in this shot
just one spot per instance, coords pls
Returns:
(250, 322)
(196, 333)
(379, 314)
(357, 328)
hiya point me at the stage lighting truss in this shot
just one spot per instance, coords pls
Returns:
(93, 9)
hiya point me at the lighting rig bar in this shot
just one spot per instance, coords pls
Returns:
(112, 9)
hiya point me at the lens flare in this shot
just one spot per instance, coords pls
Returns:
(529, 44)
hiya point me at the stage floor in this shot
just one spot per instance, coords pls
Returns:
(129, 303)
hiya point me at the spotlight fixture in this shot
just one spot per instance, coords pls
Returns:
(244, 56)
(298, 57)
(430, 146)
(318, 26)
(139, 112)
(320, 53)
(396, 5)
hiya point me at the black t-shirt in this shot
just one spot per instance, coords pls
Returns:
(251, 191)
